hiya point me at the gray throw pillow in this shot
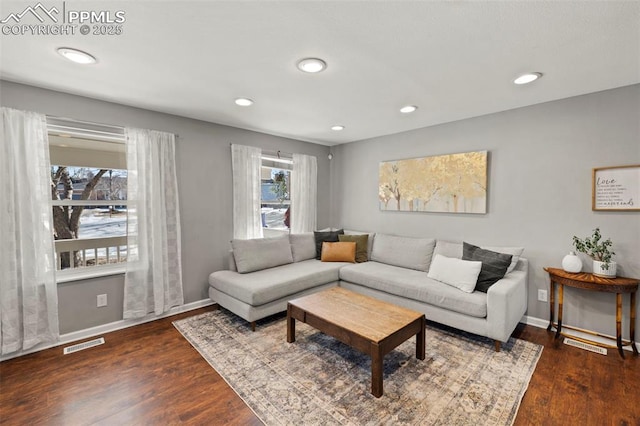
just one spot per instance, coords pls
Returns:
(494, 265)
(328, 236)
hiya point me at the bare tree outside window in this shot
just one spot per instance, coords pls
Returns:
(81, 183)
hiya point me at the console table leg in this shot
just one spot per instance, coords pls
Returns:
(619, 323)
(560, 299)
(552, 303)
(632, 325)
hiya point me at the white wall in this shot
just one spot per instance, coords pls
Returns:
(204, 182)
(539, 188)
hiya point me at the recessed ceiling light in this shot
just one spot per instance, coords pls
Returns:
(311, 65)
(408, 109)
(527, 78)
(77, 56)
(337, 128)
(244, 102)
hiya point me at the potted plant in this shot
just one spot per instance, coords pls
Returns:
(280, 187)
(600, 251)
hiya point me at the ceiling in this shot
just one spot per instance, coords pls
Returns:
(452, 59)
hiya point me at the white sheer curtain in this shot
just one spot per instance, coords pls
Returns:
(246, 165)
(304, 193)
(153, 278)
(28, 293)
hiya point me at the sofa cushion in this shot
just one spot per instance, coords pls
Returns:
(303, 246)
(462, 274)
(448, 249)
(405, 252)
(261, 253)
(328, 236)
(362, 244)
(494, 265)
(415, 285)
(271, 284)
(339, 252)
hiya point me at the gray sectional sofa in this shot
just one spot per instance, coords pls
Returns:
(416, 273)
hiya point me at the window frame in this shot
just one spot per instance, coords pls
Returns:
(278, 163)
(80, 132)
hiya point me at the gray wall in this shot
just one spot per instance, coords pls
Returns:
(204, 181)
(539, 194)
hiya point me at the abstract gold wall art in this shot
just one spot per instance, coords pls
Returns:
(454, 183)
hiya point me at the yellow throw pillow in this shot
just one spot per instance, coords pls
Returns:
(338, 252)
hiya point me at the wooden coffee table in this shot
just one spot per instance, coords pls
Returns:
(369, 325)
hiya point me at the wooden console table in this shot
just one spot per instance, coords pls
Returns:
(586, 281)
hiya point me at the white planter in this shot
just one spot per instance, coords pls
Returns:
(599, 271)
(572, 263)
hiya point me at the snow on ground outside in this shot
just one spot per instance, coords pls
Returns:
(274, 218)
(98, 223)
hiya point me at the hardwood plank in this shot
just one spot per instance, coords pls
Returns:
(573, 386)
(149, 374)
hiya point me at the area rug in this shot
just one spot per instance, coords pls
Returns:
(319, 381)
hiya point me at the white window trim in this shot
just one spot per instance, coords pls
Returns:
(101, 132)
(69, 275)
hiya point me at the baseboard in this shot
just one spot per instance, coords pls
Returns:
(536, 322)
(542, 323)
(107, 328)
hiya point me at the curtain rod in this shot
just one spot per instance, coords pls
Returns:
(117, 130)
(278, 153)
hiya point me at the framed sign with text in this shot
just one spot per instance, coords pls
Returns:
(616, 188)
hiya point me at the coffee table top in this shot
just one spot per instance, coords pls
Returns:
(370, 318)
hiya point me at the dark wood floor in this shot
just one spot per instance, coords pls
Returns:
(149, 374)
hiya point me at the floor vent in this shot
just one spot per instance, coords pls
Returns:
(83, 345)
(585, 346)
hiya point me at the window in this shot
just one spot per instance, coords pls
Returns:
(89, 199)
(275, 183)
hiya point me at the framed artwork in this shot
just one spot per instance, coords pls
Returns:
(454, 183)
(616, 188)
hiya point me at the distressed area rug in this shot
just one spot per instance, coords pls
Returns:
(319, 381)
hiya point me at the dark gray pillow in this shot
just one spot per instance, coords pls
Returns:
(494, 265)
(328, 236)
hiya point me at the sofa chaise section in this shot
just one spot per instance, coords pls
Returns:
(265, 273)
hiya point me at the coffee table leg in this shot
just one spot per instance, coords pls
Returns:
(420, 340)
(291, 326)
(376, 370)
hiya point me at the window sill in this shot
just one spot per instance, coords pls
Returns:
(88, 273)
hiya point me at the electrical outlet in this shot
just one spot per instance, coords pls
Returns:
(102, 300)
(542, 296)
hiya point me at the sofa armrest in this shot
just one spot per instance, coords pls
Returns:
(507, 302)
